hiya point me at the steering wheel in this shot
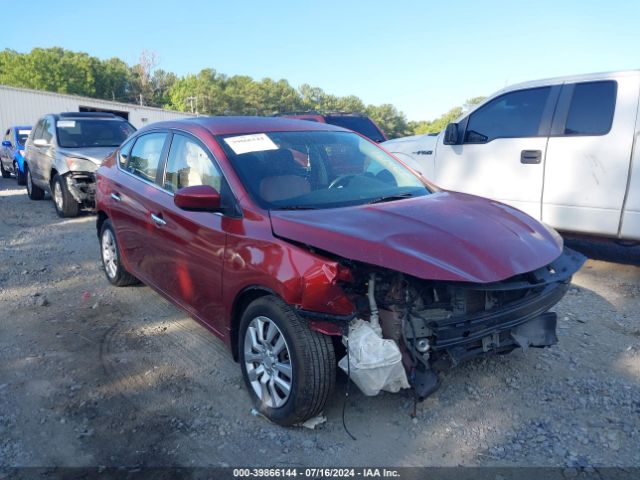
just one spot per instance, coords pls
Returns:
(342, 181)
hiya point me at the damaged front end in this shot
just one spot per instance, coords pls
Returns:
(82, 186)
(427, 326)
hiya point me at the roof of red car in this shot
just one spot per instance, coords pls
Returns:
(241, 125)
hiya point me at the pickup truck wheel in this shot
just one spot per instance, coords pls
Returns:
(33, 191)
(288, 368)
(5, 173)
(66, 205)
(19, 175)
(111, 259)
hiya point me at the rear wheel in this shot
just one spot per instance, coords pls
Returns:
(288, 368)
(34, 191)
(111, 259)
(66, 205)
(5, 173)
(19, 175)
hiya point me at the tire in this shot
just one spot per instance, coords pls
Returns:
(20, 177)
(111, 258)
(66, 205)
(5, 173)
(33, 191)
(306, 358)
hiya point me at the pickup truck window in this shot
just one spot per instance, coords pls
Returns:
(591, 109)
(514, 114)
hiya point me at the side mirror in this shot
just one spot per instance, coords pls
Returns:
(199, 197)
(6, 143)
(40, 142)
(451, 134)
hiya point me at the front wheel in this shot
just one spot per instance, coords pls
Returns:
(66, 205)
(33, 191)
(288, 368)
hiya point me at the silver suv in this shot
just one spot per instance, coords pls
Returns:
(64, 150)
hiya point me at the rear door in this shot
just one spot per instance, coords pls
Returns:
(588, 155)
(133, 199)
(503, 149)
(190, 257)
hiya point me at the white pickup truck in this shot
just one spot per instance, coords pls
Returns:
(564, 150)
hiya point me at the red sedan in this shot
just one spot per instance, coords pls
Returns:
(293, 241)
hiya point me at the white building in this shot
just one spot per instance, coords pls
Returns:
(21, 106)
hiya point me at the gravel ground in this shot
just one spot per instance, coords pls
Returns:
(94, 375)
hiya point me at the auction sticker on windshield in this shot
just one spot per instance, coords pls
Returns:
(66, 124)
(257, 142)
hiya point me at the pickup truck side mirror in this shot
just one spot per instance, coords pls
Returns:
(451, 134)
(6, 143)
(40, 142)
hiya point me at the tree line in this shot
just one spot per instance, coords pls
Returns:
(208, 92)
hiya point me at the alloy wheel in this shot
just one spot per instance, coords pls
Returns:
(109, 253)
(268, 362)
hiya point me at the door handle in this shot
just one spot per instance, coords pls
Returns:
(158, 220)
(530, 157)
(116, 197)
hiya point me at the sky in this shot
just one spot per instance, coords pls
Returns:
(424, 57)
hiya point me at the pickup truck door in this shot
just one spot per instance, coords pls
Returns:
(502, 149)
(588, 155)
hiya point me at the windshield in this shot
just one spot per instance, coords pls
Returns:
(22, 136)
(362, 125)
(308, 170)
(85, 133)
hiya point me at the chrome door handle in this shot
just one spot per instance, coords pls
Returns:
(158, 220)
(116, 197)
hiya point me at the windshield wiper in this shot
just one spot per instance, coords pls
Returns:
(297, 207)
(390, 198)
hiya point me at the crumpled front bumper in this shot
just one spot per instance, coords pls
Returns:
(524, 323)
(82, 186)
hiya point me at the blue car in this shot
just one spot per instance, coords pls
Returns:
(12, 152)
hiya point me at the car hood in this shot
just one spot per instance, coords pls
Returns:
(443, 236)
(93, 154)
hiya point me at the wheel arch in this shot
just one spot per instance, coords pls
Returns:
(101, 216)
(240, 303)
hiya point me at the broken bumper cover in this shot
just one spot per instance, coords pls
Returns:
(524, 323)
(82, 186)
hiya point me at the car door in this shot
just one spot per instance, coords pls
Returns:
(32, 151)
(133, 198)
(190, 257)
(588, 155)
(6, 152)
(502, 149)
(42, 157)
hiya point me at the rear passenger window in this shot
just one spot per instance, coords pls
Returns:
(515, 114)
(145, 156)
(591, 109)
(188, 165)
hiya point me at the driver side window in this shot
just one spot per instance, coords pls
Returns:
(188, 165)
(514, 114)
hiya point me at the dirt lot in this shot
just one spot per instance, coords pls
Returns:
(95, 375)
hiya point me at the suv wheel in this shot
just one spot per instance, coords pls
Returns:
(34, 191)
(288, 368)
(110, 253)
(19, 175)
(66, 205)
